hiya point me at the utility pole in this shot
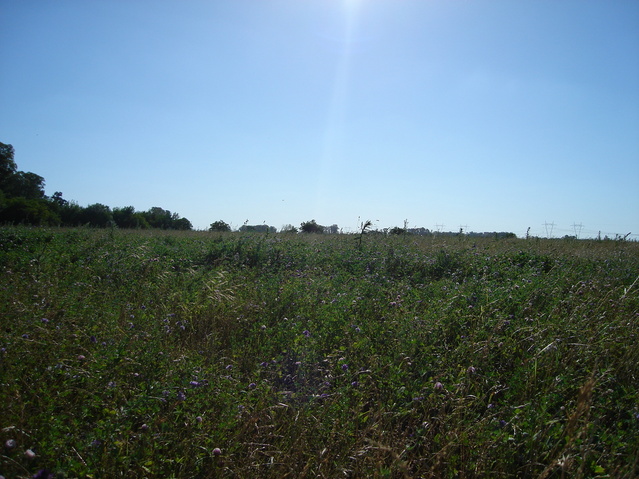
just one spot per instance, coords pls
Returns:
(552, 225)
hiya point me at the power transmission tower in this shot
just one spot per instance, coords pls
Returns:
(463, 228)
(439, 227)
(577, 228)
(552, 226)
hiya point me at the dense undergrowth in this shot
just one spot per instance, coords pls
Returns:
(150, 354)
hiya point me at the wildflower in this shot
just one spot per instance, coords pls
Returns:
(354, 384)
(10, 444)
(44, 474)
(344, 367)
(198, 419)
(252, 386)
(438, 386)
(144, 427)
(44, 320)
(217, 451)
(181, 396)
(194, 384)
(81, 357)
(29, 454)
(111, 384)
(471, 370)
(306, 333)
(263, 327)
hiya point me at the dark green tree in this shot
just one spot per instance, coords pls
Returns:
(8, 167)
(182, 224)
(26, 185)
(70, 214)
(220, 226)
(14, 183)
(396, 230)
(311, 227)
(126, 217)
(22, 210)
(97, 214)
(158, 218)
(58, 200)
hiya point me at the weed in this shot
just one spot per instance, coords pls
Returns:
(182, 354)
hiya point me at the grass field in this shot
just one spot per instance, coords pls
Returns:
(159, 354)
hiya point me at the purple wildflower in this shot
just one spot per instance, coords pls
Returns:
(306, 333)
(43, 474)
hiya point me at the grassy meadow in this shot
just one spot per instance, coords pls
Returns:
(195, 355)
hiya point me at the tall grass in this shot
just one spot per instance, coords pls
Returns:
(139, 354)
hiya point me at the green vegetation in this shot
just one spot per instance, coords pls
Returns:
(23, 202)
(183, 354)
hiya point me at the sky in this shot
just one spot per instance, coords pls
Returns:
(486, 115)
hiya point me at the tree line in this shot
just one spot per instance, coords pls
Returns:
(23, 201)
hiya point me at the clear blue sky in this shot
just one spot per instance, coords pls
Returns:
(495, 115)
